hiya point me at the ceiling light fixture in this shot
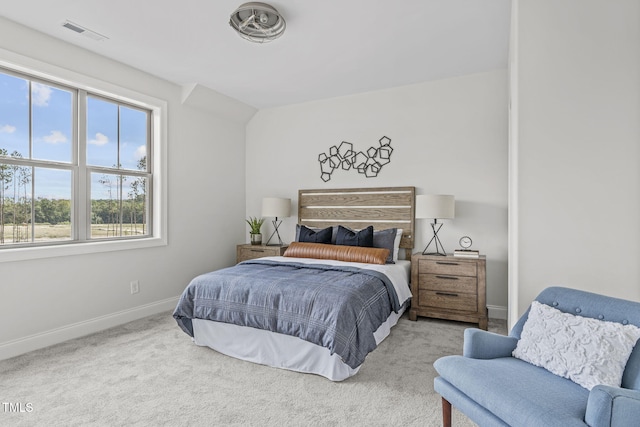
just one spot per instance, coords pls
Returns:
(257, 22)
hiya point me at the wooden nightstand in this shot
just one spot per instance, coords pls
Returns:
(245, 252)
(448, 287)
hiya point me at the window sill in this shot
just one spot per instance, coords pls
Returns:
(24, 253)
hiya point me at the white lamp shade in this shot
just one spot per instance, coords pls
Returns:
(276, 207)
(437, 206)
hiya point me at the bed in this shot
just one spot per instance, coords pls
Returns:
(322, 307)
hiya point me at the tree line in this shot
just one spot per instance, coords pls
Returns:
(17, 209)
(16, 222)
(58, 211)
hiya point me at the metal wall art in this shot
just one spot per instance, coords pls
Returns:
(343, 156)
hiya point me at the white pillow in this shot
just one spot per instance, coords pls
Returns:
(396, 244)
(586, 351)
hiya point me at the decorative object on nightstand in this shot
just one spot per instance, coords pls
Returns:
(278, 208)
(435, 206)
(449, 288)
(245, 252)
(255, 234)
(465, 243)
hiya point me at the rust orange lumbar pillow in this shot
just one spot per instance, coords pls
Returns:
(337, 252)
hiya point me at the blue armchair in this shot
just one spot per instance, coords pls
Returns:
(495, 389)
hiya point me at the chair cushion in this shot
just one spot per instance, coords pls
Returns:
(595, 306)
(515, 391)
(587, 351)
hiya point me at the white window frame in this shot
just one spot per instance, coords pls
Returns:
(158, 127)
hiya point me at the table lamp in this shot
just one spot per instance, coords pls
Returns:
(436, 206)
(278, 208)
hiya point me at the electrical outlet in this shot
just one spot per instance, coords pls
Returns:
(135, 287)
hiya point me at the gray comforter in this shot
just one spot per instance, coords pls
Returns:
(337, 307)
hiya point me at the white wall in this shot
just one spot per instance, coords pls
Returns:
(448, 136)
(578, 144)
(49, 300)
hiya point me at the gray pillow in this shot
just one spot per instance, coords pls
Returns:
(386, 239)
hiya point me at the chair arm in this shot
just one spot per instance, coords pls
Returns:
(479, 344)
(612, 406)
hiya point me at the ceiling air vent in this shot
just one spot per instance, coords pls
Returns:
(84, 31)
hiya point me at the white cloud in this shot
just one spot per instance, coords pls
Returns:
(7, 129)
(40, 94)
(100, 139)
(55, 137)
(141, 151)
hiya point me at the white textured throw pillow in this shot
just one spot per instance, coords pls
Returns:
(586, 351)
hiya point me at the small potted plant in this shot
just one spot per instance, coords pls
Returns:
(256, 225)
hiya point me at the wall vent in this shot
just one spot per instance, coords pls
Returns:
(84, 31)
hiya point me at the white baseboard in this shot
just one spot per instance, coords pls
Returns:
(497, 312)
(55, 336)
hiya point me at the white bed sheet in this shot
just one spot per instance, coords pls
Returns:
(292, 353)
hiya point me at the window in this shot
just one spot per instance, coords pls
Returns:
(75, 166)
(116, 152)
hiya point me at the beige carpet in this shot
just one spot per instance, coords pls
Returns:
(149, 373)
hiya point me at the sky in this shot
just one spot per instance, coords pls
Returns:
(51, 127)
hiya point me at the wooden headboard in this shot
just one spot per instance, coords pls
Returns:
(358, 208)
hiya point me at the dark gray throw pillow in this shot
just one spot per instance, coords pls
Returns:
(348, 237)
(310, 236)
(386, 239)
(334, 230)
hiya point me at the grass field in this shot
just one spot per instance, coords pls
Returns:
(59, 232)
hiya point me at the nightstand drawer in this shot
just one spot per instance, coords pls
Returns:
(448, 267)
(257, 252)
(446, 283)
(247, 252)
(448, 300)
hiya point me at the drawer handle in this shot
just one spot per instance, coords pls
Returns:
(446, 263)
(447, 294)
(256, 250)
(447, 277)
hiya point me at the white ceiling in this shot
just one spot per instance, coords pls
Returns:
(330, 48)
